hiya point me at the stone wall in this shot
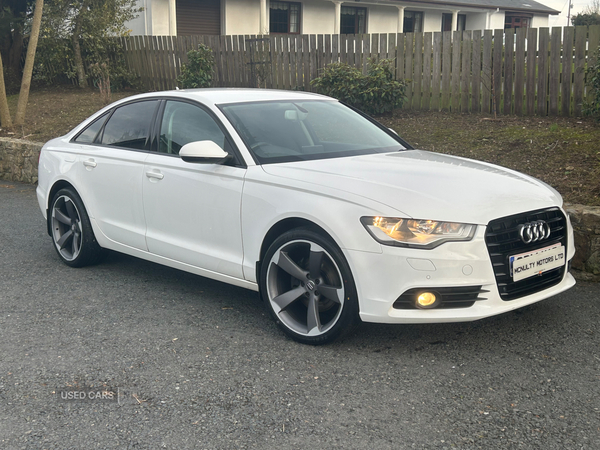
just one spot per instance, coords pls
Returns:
(586, 226)
(19, 160)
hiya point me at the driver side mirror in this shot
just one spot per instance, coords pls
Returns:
(206, 152)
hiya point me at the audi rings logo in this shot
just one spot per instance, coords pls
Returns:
(534, 231)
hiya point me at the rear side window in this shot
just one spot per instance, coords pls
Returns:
(89, 134)
(129, 126)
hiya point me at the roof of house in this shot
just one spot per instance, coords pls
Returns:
(505, 5)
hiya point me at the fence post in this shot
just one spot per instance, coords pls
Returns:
(436, 78)
(476, 72)
(446, 68)
(520, 71)
(456, 48)
(567, 71)
(465, 72)
(400, 57)
(426, 83)
(418, 71)
(509, 59)
(554, 84)
(531, 66)
(578, 79)
(543, 65)
(408, 69)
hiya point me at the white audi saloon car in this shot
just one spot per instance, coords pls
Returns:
(331, 216)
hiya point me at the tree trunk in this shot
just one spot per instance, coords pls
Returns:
(11, 43)
(16, 51)
(5, 119)
(77, 47)
(28, 69)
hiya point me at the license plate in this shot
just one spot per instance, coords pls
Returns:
(533, 263)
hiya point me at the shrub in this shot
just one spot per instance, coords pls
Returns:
(374, 93)
(592, 75)
(54, 62)
(101, 75)
(198, 72)
(109, 49)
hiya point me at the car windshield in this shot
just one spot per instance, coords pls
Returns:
(284, 131)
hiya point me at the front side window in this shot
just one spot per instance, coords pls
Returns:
(413, 21)
(183, 123)
(284, 17)
(129, 126)
(353, 20)
(285, 131)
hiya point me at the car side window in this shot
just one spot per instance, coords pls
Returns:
(88, 135)
(183, 123)
(129, 126)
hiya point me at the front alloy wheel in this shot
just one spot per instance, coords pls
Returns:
(308, 287)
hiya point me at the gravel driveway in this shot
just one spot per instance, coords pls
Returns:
(195, 363)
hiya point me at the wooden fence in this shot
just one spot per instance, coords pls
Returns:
(530, 71)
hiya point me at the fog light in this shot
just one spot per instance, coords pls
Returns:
(427, 300)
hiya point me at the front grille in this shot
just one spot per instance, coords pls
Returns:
(451, 297)
(503, 240)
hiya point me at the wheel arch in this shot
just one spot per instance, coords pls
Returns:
(283, 226)
(57, 186)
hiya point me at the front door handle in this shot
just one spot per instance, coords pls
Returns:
(155, 175)
(90, 163)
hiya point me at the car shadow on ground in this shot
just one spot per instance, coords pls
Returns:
(531, 322)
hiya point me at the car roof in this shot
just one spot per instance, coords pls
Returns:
(217, 96)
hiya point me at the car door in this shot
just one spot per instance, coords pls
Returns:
(111, 167)
(192, 210)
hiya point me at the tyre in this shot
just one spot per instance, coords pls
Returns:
(71, 230)
(308, 288)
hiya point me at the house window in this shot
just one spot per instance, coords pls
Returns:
(354, 20)
(413, 21)
(198, 17)
(447, 22)
(284, 17)
(516, 20)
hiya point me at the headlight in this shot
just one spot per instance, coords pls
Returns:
(416, 233)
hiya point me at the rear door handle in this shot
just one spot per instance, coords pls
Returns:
(90, 163)
(156, 175)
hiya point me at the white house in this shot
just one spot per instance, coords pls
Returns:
(234, 17)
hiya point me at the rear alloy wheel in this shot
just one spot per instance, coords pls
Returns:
(72, 233)
(308, 287)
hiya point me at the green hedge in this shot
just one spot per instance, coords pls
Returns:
(376, 92)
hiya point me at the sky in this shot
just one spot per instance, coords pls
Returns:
(562, 6)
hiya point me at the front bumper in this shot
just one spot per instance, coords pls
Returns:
(381, 278)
